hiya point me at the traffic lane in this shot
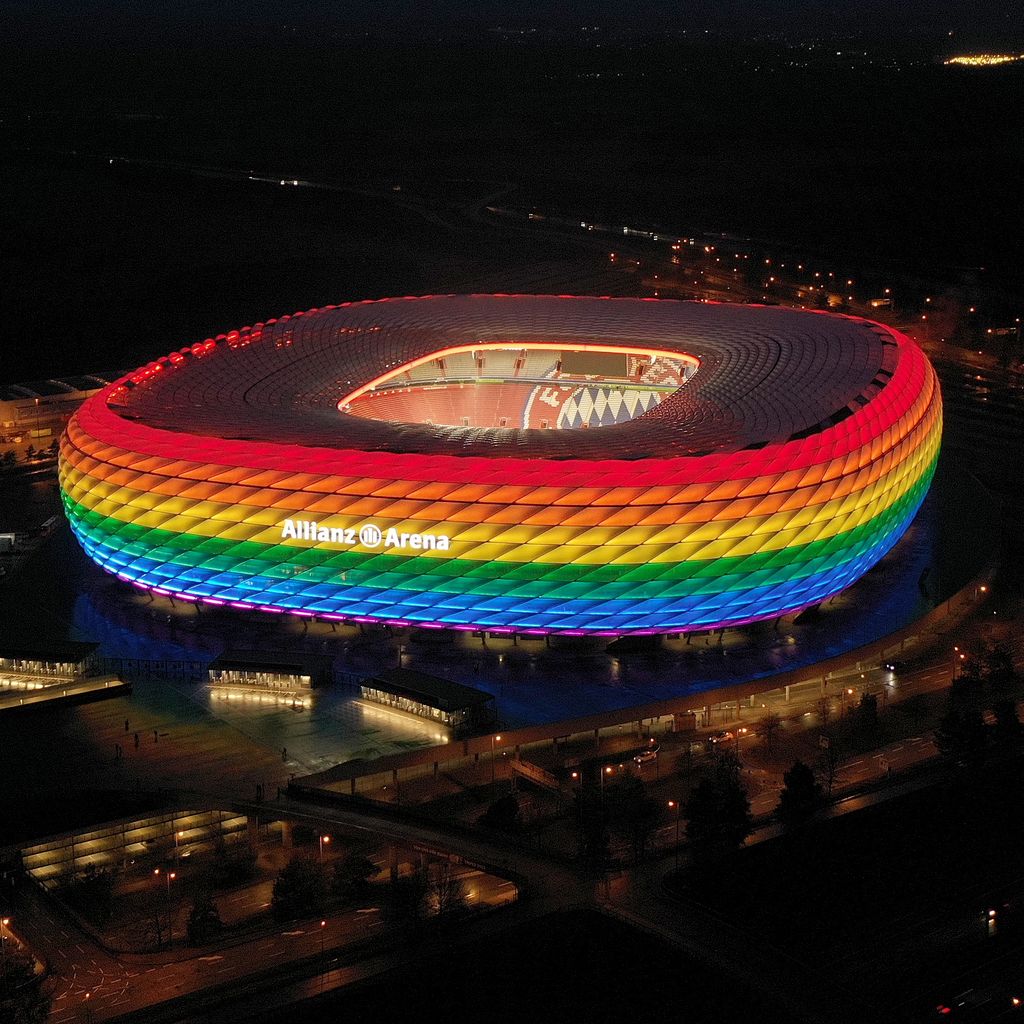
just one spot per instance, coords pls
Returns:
(78, 968)
(107, 989)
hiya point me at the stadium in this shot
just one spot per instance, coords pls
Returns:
(528, 464)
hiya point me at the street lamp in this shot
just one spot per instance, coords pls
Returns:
(323, 839)
(493, 738)
(323, 925)
(739, 732)
(3, 946)
(958, 662)
(675, 804)
(169, 876)
(846, 691)
(177, 857)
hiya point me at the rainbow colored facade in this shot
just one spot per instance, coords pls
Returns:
(724, 464)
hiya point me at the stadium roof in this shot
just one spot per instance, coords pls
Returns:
(767, 375)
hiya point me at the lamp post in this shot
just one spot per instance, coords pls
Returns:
(323, 839)
(493, 738)
(846, 691)
(958, 662)
(3, 946)
(168, 877)
(675, 804)
(323, 925)
(739, 732)
(177, 855)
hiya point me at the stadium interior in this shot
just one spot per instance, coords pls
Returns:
(516, 388)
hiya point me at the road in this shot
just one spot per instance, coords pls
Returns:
(90, 980)
(91, 983)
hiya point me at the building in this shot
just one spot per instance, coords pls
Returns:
(37, 411)
(459, 707)
(529, 464)
(54, 671)
(57, 660)
(290, 675)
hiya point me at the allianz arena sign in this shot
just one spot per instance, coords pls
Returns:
(369, 535)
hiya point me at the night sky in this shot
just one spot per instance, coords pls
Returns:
(727, 15)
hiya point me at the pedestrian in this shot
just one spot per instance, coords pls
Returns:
(284, 753)
(155, 737)
(126, 725)
(136, 741)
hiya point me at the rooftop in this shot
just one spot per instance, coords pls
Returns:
(427, 689)
(765, 375)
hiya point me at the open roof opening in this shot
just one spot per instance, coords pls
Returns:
(517, 386)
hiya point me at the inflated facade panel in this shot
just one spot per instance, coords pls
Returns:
(789, 464)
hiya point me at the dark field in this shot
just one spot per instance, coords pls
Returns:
(889, 160)
(895, 899)
(574, 968)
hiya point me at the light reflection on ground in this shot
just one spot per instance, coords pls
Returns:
(532, 680)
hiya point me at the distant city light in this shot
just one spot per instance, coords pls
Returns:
(984, 60)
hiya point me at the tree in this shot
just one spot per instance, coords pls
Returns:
(768, 728)
(407, 897)
(830, 760)
(1007, 730)
(961, 735)
(684, 762)
(915, 708)
(592, 827)
(446, 894)
(22, 998)
(630, 812)
(30, 453)
(234, 865)
(91, 893)
(352, 874)
(503, 815)
(300, 889)
(718, 812)
(800, 797)
(823, 705)
(155, 907)
(997, 665)
(967, 691)
(865, 716)
(8, 459)
(204, 921)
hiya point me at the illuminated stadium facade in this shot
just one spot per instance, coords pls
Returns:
(511, 463)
